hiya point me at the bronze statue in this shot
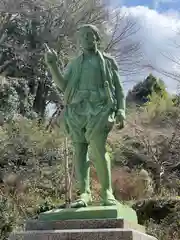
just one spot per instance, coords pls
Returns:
(94, 100)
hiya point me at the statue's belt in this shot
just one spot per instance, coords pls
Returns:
(92, 96)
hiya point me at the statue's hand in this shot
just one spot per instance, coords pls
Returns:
(50, 56)
(120, 118)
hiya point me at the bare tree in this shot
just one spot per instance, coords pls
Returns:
(160, 152)
(26, 25)
(171, 58)
(122, 43)
(62, 20)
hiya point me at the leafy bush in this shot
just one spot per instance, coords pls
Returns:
(31, 162)
(131, 184)
(15, 99)
(160, 107)
(168, 228)
(8, 100)
(142, 90)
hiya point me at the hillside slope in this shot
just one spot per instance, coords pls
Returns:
(145, 165)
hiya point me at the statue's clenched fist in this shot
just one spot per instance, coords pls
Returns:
(120, 118)
(50, 56)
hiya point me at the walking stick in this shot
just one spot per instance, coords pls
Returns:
(67, 177)
(66, 164)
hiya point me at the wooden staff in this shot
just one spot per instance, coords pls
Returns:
(66, 164)
(67, 177)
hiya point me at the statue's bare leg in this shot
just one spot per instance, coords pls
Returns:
(103, 167)
(82, 167)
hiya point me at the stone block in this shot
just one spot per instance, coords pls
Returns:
(33, 225)
(82, 234)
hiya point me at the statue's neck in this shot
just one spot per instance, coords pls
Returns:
(89, 52)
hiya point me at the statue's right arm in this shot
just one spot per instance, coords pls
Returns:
(57, 76)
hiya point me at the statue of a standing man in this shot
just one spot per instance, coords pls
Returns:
(94, 100)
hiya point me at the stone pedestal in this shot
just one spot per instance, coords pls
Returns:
(104, 229)
(83, 234)
(101, 223)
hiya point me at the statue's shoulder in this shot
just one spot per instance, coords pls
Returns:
(111, 59)
(108, 56)
(78, 57)
(72, 64)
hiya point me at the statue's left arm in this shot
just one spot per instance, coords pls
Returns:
(119, 91)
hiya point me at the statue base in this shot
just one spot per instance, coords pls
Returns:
(91, 212)
(95, 222)
(102, 229)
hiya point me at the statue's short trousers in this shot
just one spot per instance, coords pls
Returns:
(83, 128)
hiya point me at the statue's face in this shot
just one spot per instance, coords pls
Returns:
(87, 39)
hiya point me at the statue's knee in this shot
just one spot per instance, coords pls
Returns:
(80, 148)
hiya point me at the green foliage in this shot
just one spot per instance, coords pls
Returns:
(168, 227)
(7, 219)
(15, 99)
(31, 162)
(142, 90)
(24, 142)
(159, 106)
(9, 100)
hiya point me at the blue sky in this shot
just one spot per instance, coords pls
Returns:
(131, 2)
(159, 22)
(161, 5)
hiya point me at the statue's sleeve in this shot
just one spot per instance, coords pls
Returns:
(119, 90)
(67, 73)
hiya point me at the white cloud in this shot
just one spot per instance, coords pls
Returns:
(157, 33)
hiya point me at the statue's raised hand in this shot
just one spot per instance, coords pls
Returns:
(50, 56)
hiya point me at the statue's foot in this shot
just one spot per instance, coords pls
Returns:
(78, 204)
(110, 202)
(83, 201)
(61, 206)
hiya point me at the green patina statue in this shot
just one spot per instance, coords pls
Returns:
(94, 101)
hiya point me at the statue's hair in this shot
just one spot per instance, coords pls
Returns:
(93, 28)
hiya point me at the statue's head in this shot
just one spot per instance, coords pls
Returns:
(89, 36)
